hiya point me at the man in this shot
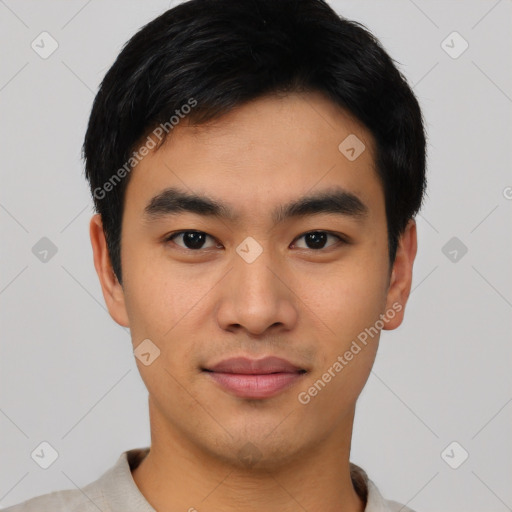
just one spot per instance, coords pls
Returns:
(256, 167)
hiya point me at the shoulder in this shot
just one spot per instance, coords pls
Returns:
(377, 503)
(86, 499)
(113, 490)
(89, 498)
(394, 506)
(369, 493)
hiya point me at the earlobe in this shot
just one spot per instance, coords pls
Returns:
(401, 276)
(113, 292)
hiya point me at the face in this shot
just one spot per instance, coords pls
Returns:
(247, 275)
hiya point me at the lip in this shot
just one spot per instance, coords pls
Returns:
(255, 378)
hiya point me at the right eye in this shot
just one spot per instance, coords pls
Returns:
(192, 240)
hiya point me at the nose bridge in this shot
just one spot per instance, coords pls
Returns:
(252, 272)
(255, 298)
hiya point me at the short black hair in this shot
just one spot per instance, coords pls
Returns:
(219, 54)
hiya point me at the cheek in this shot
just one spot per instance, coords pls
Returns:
(158, 295)
(332, 393)
(165, 306)
(161, 309)
(346, 311)
(350, 299)
(150, 306)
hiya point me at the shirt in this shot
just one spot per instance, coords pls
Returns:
(116, 491)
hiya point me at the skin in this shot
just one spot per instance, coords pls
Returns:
(305, 305)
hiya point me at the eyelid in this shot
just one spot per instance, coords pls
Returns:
(170, 238)
(342, 239)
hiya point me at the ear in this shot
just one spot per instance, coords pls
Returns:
(112, 290)
(401, 276)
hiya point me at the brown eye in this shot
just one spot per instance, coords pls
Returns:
(193, 240)
(316, 240)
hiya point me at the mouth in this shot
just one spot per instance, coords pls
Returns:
(255, 378)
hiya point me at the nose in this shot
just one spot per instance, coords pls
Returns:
(257, 297)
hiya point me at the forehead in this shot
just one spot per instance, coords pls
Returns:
(262, 154)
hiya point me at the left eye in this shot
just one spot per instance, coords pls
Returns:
(195, 240)
(317, 239)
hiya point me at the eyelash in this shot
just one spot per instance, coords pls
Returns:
(172, 236)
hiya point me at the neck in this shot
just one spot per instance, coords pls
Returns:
(177, 476)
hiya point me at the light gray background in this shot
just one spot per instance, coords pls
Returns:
(68, 375)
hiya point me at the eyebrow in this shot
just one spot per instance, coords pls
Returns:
(337, 201)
